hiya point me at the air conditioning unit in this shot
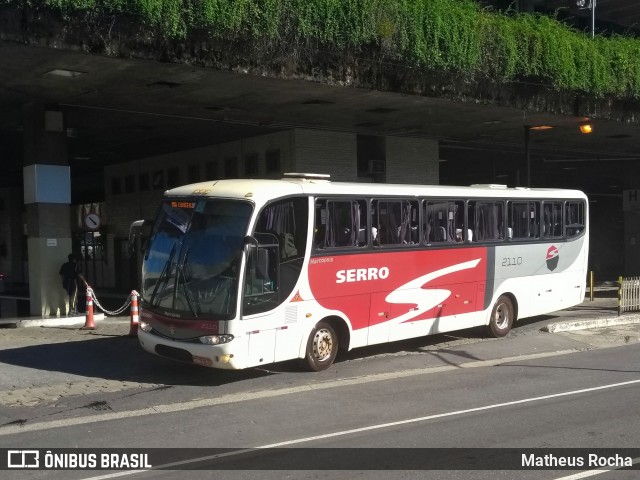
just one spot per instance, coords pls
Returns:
(376, 166)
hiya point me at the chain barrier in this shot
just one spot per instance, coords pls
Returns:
(109, 312)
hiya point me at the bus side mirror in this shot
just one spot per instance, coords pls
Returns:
(249, 240)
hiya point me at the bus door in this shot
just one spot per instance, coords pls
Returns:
(275, 255)
(260, 297)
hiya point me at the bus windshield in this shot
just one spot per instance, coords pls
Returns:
(191, 266)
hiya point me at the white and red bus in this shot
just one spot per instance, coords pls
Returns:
(240, 273)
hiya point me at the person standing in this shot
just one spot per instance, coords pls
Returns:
(71, 274)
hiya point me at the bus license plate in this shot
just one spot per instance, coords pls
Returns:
(205, 362)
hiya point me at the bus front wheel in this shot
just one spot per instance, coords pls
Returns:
(502, 317)
(322, 347)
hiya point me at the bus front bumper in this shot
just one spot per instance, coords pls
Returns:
(213, 356)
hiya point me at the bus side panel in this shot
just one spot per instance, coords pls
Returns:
(544, 277)
(407, 289)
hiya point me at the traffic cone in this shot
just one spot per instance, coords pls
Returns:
(88, 323)
(133, 328)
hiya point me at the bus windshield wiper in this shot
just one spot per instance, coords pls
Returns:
(164, 275)
(180, 274)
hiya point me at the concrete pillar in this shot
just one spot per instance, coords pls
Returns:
(631, 211)
(11, 231)
(47, 196)
(412, 160)
(324, 151)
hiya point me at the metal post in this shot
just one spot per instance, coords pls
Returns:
(593, 18)
(527, 154)
(619, 295)
(591, 285)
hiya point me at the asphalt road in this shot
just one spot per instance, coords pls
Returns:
(528, 391)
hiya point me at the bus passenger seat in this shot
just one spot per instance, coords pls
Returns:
(361, 237)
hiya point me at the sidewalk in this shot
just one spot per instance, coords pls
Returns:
(110, 302)
(599, 313)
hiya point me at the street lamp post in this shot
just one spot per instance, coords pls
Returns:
(593, 18)
(527, 154)
(582, 4)
(527, 150)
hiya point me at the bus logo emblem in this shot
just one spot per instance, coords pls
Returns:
(552, 258)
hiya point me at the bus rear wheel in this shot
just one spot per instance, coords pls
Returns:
(502, 317)
(322, 347)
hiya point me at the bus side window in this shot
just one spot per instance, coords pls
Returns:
(486, 218)
(534, 219)
(552, 217)
(320, 229)
(574, 218)
(343, 223)
(524, 220)
(274, 264)
(442, 220)
(395, 222)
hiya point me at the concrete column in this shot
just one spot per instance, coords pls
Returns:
(412, 160)
(47, 196)
(631, 211)
(324, 151)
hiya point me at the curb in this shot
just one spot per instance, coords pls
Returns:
(53, 321)
(592, 323)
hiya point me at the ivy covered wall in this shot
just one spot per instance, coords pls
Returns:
(451, 37)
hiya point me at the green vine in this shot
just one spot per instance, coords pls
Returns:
(456, 36)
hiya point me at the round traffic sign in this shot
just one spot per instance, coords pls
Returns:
(92, 221)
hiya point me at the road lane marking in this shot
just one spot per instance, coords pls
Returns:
(593, 473)
(11, 429)
(378, 427)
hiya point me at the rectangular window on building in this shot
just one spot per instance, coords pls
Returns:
(251, 166)
(211, 171)
(193, 174)
(116, 186)
(157, 180)
(371, 158)
(272, 161)
(173, 177)
(143, 182)
(129, 184)
(231, 167)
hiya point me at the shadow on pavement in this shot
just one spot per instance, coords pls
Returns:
(119, 358)
(116, 357)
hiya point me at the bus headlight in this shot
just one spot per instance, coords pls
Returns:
(216, 339)
(144, 326)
